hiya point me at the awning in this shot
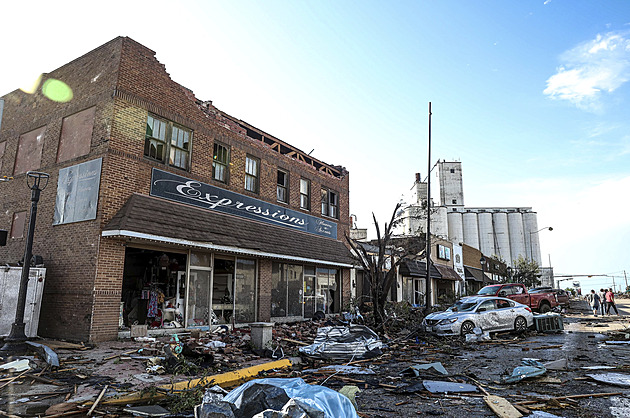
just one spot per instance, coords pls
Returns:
(416, 268)
(476, 275)
(149, 218)
(448, 273)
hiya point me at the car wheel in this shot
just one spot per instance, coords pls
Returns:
(467, 328)
(520, 324)
(544, 307)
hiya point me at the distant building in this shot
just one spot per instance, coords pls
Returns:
(503, 232)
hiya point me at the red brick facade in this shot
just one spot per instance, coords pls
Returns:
(125, 83)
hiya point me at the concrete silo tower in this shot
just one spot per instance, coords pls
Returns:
(451, 184)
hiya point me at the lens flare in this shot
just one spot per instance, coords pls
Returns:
(32, 86)
(57, 90)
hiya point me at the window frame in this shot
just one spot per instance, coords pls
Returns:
(225, 164)
(284, 186)
(305, 198)
(330, 202)
(167, 142)
(248, 175)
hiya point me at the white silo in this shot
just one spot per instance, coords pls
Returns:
(530, 226)
(486, 234)
(439, 221)
(502, 234)
(517, 238)
(471, 233)
(455, 227)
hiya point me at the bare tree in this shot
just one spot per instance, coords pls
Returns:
(380, 266)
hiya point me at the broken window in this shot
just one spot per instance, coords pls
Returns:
(164, 138)
(282, 187)
(29, 153)
(286, 290)
(76, 135)
(305, 194)
(251, 173)
(330, 203)
(221, 163)
(327, 291)
(19, 222)
(3, 147)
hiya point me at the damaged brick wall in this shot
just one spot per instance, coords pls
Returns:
(125, 83)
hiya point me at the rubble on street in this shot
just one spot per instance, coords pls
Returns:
(579, 371)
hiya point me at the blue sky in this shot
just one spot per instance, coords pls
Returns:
(531, 96)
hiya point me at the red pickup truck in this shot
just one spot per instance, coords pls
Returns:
(541, 302)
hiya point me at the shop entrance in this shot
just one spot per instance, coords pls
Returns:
(154, 288)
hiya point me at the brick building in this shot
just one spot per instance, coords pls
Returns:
(162, 209)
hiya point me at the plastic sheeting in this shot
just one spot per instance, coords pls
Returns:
(276, 397)
(344, 342)
(528, 368)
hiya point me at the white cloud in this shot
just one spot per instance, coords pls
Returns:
(591, 69)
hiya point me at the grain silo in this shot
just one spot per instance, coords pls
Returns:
(502, 234)
(517, 237)
(471, 233)
(530, 226)
(455, 227)
(486, 234)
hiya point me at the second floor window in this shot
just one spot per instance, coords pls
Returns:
(330, 203)
(252, 170)
(220, 163)
(305, 194)
(163, 138)
(282, 187)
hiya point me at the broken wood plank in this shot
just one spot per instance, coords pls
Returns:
(289, 340)
(100, 396)
(121, 354)
(501, 407)
(14, 378)
(560, 398)
(225, 380)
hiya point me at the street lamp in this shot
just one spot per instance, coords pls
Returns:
(15, 343)
(482, 260)
(531, 256)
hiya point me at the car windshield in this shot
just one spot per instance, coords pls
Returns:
(488, 290)
(462, 306)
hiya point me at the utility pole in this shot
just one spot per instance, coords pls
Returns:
(428, 237)
(626, 278)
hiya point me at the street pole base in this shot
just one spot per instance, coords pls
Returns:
(15, 343)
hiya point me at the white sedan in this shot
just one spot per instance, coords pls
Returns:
(491, 314)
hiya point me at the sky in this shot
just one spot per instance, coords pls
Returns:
(531, 96)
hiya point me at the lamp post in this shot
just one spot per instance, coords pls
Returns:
(15, 343)
(531, 256)
(482, 260)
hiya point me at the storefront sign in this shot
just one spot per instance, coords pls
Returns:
(180, 189)
(77, 192)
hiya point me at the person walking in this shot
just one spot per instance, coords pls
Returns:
(602, 298)
(610, 302)
(594, 300)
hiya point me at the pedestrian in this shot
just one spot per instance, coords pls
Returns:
(602, 298)
(610, 302)
(594, 301)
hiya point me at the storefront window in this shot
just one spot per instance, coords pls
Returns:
(309, 291)
(294, 282)
(327, 294)
(223, 290)
(245, 292)
(200, 259)
(199, 298)
(278, 290)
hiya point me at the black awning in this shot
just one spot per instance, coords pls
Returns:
(416, 268)
(476, 275)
